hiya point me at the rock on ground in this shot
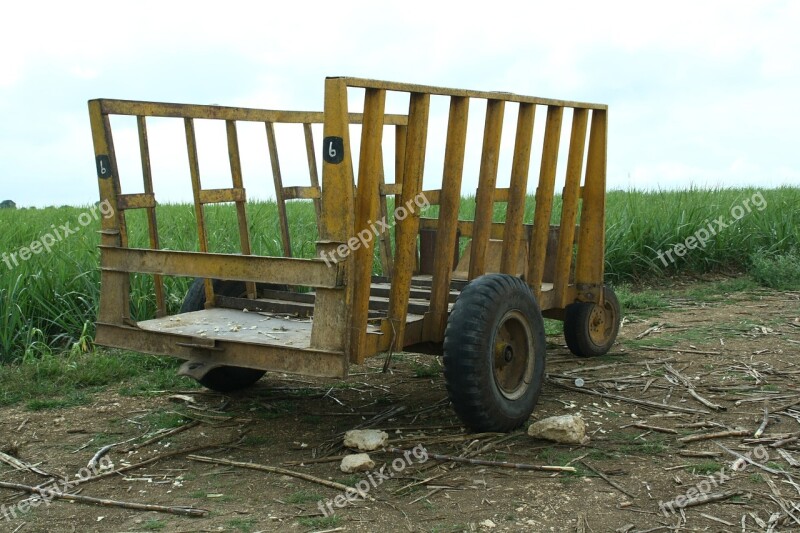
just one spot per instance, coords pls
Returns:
(357, 462)
(566, 429)
(366, 440)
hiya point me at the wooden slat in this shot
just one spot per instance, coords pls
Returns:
(391, 189)
(152, 222)
(332, 308)
(466, 227)
(407, 229)
(194, 169)
(278, 182)
(276, 270)
(446, 91)
(434, 196)
(484, 201)
(544, 198)
(301, 193)
(591, 240)
(449, 201)
(219, 196)
(569, 205)
(213, 112)
(501, 194)
(135, 201)
(520, 167)
(114, 306)
(267, 356)
(369, 171)
(311, 156)
(238, 185)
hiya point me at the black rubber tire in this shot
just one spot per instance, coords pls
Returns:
(224, 378)
(495, 313)
(589, 334)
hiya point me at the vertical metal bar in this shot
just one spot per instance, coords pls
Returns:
(115, 294)
(484, 201)
(569, 205)
(449, 204)
(152, 226)
(544, 199)
(311, 155)
(591, 236)
(278, 181)
(330, 330)
(238, 183)
(515, 211)
(194, 169)
(408, 226)
(369, 171)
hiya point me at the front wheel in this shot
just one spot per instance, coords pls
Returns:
(590, 329)
(494, 353)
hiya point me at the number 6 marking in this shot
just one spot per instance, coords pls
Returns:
(103, 166)
(333, 150)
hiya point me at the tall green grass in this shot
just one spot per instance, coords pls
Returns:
(49, 302)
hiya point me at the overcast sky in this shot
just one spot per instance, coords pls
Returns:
(700, 93)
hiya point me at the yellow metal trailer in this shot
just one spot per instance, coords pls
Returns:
(476, 290)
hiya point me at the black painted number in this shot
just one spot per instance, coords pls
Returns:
(333, 150)
(103, 166)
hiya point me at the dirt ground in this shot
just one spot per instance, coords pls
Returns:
(705, 363)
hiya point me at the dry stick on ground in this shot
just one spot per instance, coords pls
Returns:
(763, 426)
(615, 365)
(788, 458)
(146, 462)
(163, 435)
(331, 459)
(787, 440)
(715, 435)
(657, 349)
(686, 382)
(22, 465)
(276, 470)
(750, 461)
(483, 462)
(642, 425)
(608, 479)
(701, 500)
(631, 400)
(50, 494)
(698, 453)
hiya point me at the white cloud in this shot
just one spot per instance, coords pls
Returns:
(699, 92)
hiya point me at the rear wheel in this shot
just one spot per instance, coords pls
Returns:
(590, 329)
(494, 353)
(222, 378)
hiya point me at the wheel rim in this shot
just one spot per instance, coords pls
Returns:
(513, 361)
(601, 323)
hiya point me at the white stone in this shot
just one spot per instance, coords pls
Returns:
(366, 440)
(566, 429)
(357, 462)
(488, 524)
